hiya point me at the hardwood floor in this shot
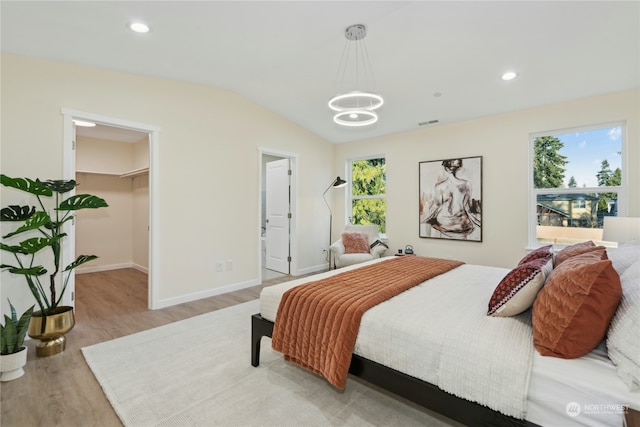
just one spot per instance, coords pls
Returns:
(61, 390)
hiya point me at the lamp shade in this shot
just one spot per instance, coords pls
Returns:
(339, 182)
(621, 229)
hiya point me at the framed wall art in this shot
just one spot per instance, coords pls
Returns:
(450, 193)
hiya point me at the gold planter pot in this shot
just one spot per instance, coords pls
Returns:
(50, 330)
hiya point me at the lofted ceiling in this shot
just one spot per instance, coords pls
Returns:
(431, 60)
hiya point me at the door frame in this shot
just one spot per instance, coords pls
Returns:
(69, 172)
(293, 225)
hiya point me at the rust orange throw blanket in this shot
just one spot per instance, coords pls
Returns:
(317, 323)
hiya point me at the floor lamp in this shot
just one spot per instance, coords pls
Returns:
(337, 183)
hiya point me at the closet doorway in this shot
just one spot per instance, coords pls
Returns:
(113, 160)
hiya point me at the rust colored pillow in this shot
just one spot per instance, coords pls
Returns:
(572, 312)
(573, 250)
(355, 243)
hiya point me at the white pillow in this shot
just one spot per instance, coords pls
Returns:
(623, 341)
(378, 248)
(337, 247)
(624, 256)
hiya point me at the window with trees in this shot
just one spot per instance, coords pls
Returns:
(367, 198)
(577, 180)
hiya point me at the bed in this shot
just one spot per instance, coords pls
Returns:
(405, 345)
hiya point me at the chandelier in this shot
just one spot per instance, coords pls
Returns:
(355, 107)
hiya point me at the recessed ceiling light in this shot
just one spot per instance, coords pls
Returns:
(84, 123)
(509, 75)
(139, 27)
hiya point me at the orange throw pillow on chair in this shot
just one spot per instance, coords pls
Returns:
(355, 243)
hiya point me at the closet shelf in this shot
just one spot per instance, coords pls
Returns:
(97, 173)
(130, 174)
(135, 172)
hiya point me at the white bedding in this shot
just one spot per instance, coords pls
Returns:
(590, 383)
(388, 336)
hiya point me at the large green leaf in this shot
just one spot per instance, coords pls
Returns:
(31, 271)
(26, 184)
(82, 201)
(17, 213)
(60, 185)
(79, 261)
(39, 219)
(13, 249)
(35, 244)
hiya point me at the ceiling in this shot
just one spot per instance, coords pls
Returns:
(430, 60)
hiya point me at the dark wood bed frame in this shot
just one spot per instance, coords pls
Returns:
(413, 389)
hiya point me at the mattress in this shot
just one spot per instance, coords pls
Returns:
(580, 392)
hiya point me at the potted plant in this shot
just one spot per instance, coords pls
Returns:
(13, 353)
(44, 224)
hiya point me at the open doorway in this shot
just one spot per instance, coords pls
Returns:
(114, 158)
(113, 163)
(277, 219)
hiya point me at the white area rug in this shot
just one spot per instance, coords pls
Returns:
(197, 372)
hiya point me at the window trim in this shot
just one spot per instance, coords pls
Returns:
(622, 190)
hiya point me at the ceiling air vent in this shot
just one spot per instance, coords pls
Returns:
(430, 122)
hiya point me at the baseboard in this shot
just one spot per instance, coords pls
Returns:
(98, 269)
(312, 269)
(140, 268)
(205, 294)
(83, 270)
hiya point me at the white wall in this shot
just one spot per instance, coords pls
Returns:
(208, 165)
(503, 142)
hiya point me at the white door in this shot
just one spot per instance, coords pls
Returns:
(277, 206)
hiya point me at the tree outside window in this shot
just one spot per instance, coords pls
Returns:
(368, 192)
(577, 181)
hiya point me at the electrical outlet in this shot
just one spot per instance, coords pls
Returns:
(229, 264)
(219, 266)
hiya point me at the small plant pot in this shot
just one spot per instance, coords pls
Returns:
(11, 365)
(50, 330)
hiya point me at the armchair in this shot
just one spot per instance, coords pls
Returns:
(355, 245)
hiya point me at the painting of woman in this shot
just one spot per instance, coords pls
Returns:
(450, 200)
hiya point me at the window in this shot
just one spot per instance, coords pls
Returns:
(577, 179)
(367, 198)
